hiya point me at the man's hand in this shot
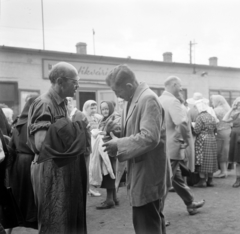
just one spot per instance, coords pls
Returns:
(111, 146)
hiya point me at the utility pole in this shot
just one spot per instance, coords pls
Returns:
(191, 44)
(93, 41)
(43, 26)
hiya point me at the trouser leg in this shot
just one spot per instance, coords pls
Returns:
(178, 183)
(148, 219)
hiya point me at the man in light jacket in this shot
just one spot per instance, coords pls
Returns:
(142, 146)
(177, 138)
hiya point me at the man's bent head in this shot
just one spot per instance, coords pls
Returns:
(122, 81)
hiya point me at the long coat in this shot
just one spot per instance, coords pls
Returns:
(176, 125)
(142, 146)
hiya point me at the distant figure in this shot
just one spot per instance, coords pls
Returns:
(19, 172)
(221, 108)
(90, 111)
(177, 138)
(233, 116)
(109, 123)
(205, 145)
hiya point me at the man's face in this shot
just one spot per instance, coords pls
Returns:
(177, 89)
(125, 91)
(70, 85)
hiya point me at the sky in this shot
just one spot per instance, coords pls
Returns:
(141, 29)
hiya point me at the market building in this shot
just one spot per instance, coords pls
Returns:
(25, 71)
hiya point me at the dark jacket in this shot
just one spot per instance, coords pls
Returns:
(64, 142)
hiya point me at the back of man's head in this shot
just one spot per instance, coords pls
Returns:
(171, 80)
(62, 69)
(121, 75)
(173, 85)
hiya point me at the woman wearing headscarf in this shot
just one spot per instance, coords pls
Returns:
(205, 145)
(233, 116)
(90, 111)
(19, 172)
(221, 107)
(109, 123)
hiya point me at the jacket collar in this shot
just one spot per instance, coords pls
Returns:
(138, 92)
(56, 97)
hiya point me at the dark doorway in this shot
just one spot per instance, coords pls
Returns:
(85, 96)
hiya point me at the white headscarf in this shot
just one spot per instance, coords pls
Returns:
(202, 105)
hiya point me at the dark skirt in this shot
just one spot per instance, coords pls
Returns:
(234, 152)
(61, 197)
(20, 182)
(208, 147)
(108, 182)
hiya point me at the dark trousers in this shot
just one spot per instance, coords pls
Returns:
(148, 219)
(179, 185)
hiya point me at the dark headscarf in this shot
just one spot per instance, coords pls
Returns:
(23, 118)
(110, 107)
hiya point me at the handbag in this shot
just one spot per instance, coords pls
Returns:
(10, 214)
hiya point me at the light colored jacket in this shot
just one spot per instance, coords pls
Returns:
(176, 125)
(143, 147)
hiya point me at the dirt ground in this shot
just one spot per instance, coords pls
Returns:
(220, 215)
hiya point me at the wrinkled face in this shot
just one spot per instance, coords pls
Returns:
(104, 109)
(69, 86)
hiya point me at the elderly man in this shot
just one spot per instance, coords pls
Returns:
(142, 146)
(58, 171)
(177, 138)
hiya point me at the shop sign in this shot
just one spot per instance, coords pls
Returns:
(86, 71)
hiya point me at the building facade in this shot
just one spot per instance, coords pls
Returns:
(25, 71)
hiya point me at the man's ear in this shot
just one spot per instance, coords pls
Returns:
(129, 86)
(59, 81)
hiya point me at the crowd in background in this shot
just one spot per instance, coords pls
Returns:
(212, 148)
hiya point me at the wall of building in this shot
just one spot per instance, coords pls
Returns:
(29, 68)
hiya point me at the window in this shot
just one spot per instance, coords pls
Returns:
(230, 95)
(9, 96)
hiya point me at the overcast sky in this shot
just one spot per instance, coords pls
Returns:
(142, 29)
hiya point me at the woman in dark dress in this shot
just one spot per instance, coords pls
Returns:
(233, 116)
(19, 172)
(109, 123)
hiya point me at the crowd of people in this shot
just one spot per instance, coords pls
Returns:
(53, 155)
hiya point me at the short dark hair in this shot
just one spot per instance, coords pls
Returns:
(121, 75)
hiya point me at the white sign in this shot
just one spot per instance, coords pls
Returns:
(86, 71)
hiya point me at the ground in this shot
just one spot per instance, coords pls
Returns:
(220, 215)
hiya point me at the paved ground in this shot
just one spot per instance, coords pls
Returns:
(220, 215)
